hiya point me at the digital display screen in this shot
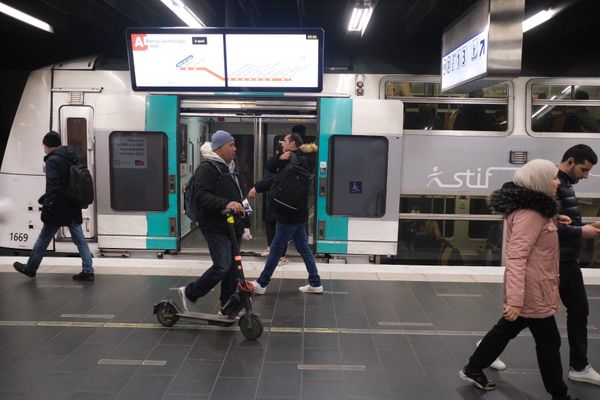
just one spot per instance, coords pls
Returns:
(226, 60)
(178, 60)
(276, 61)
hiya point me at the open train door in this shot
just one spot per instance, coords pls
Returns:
(360, 156)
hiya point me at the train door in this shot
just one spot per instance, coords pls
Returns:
(257, 137)
(77, 131)
(360, 156)
(137, 179)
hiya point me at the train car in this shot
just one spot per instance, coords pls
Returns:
(402, 175)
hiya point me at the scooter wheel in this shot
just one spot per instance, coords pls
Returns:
(166, 314)
(254, 331)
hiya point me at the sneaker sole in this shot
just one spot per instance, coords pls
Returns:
(584, 380)
(471, 381)
(498, 365)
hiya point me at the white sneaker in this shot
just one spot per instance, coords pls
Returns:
(184, 300)
(498, 364)
(258, 289)
(588, 375)
(311, 289)
(265, 253)
(283, 261)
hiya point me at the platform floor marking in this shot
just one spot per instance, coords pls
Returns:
(90, 316)
(276, 329)
(117, 361)
(394, 323)
(458, 295)
(332, 367)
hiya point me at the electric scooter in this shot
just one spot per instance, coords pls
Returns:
(168, 312)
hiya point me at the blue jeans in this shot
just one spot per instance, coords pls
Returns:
(46, 235)
(283, 233)
(222, 270)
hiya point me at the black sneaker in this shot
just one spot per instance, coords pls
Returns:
(22, 268)
(82, 276)
(477, 378)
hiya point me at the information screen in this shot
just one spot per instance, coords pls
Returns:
(274, 61)
(178, 60)
(226, 60)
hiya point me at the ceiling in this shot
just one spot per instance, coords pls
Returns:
(403, 35)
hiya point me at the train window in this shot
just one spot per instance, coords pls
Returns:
(426, 108)
(77, 138)
(138, 171)
(565, 108)
(357, 180)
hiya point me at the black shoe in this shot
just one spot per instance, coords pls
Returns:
(82, 276)
(22, 268)
(564, 398)
(477, 378)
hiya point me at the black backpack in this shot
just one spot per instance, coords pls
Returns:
(80, 188)
(291, 186)
(190, 210)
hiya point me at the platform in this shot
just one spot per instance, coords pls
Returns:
(378, 332)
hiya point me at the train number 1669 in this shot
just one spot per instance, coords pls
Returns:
(19, 237)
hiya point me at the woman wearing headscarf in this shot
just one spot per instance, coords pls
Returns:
(530, 278)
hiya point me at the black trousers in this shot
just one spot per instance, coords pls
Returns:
(574, 297)
(547, 346)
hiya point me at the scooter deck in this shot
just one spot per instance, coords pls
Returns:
(211, 318)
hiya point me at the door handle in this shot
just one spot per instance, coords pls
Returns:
(322, 187)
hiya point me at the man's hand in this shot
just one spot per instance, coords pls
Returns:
(252, 193)
(237, 208)
(247, 235)
(285, 155)
(589, 231)
(564, 219)
(511, 313)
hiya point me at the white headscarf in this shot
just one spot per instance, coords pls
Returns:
(537, 175)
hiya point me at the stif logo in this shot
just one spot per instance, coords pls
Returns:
(138, 41)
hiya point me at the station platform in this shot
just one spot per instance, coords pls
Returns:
(378, 332)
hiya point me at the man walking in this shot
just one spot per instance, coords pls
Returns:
(574, 166)
(58, 210)
(291, 217)
(217, 188)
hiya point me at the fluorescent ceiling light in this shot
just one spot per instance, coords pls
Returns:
(184, 13)
(360, 19)
(21, 16)
(539, 18)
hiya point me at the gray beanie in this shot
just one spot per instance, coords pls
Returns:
(220, 139)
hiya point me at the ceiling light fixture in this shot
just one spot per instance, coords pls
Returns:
(360, 19)
(184, 13)
(21, 16)
(539, 18)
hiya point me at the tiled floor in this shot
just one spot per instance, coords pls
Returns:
(362, 339)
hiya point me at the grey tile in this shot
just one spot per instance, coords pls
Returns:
(323, 389)
(138, 344)
(108, 379)
(145, 387)
(280, 380)
(284, 348)
(243, 362)
(234, 388)
(174, 355)
(196, 377)
(321, 341)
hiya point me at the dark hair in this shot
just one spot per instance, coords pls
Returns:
(296, 138)
(581, 153)
(299, 129)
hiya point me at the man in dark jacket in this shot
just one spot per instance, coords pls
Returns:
(58, 210)
(290, 224)
(574, 166)
(218, 188)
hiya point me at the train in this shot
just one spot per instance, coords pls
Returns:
(402, 175)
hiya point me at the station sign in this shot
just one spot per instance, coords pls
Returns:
(484, 42)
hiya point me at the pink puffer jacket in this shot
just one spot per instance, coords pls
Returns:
(531, 259)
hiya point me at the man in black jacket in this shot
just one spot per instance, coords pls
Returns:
(574, 166)
(58, 210)
(291, 224)
(218, 188)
